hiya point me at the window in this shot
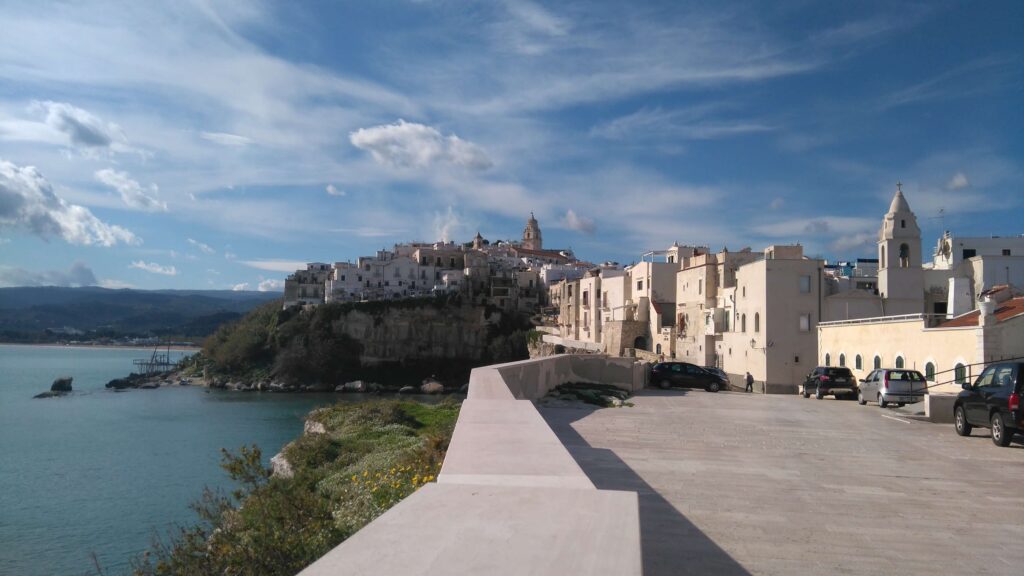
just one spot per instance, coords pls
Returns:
(881, 256)
(842, 360)
(657, 349)
(877, 363)
(805, 284)
(757, 321)
(586, 298)
(743, 323)
(903, 223)
(858, 362)
(342, 277)
(929, 371)
(805, 322)
(828, 359)
(904, 256)
(970, 253)
(744, 291)
(960, 373)
(1006, 251)
(700, 286)
(639, 285)
(899, 362)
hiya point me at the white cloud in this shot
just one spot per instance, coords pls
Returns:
(240, 287)
(28, 201)
(275, 265)
(958, 181)
(202, 247)
(776, 203)
(333, 191)
(579, 223)
(446, 225)
(411, 145)
(797, 228)
(694, 123)
(230, 255)
(225, 139)
(132, 193)
(862, 243)
(155, 268)
(271, 285)
(81, 128)
(78, 275)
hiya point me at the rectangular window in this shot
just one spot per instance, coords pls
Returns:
(639, 285)
(970, 253)
(700, 286)
(586, 299)
(342, 277)
(805, 322)
(805, 284)
(1006, 251)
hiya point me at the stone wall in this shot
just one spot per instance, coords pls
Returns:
(398, 334)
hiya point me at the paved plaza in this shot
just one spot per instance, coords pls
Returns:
(735, 483)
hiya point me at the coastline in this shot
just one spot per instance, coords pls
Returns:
(175, 348)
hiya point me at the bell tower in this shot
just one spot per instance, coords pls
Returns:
(531, 235)
(900, 277)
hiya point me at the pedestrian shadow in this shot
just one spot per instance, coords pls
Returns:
(670, 543)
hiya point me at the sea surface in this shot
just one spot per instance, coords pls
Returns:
(102, 472)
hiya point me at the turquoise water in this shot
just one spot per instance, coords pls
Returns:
(99, 471)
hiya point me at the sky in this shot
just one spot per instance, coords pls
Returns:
(220, 145)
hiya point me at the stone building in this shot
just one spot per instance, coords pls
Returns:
(532, 239)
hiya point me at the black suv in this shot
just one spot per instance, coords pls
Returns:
(667, 374)
(993, 401)
(829, 380)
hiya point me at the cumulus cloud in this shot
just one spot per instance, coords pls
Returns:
(411, 145)
(154, 268)
(240, 287)
(81, 127)
(132, 193)
(862, 243)
(202, 247)
(271, 285)
(958, 181)
(78, 275)
(28, 201)
(333, 191)
(225, 139)
(445, 225)
(579, 223)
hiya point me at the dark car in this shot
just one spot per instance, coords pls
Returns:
(718, 372)
(669, 374)
(829, 381)
(993, 401)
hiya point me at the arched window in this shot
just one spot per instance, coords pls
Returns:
(858, 363)
(842, 360)
(743, 323)
(878, 363)
(657, 349)
(961, 373)
(757, 321)
(828, 359)
(899, 361)
(904, 256)
(929, 371)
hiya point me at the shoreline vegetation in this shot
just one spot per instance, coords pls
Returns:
(352, 463)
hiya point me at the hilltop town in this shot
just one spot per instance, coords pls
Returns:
(775, 313)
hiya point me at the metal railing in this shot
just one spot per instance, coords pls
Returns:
(968, 374)
(930, 318)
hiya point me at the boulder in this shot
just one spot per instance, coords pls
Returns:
(313, 427)
(49, 394)
(151, 385)
(281, 466)
(355, 386)
(432, 387)
(61, 384)
(407, 390)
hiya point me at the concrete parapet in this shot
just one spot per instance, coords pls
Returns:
(939, 407)
(509, 499)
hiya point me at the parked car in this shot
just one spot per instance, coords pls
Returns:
(993, 401)
(718, 372)
(829, 381)
(892, 385)
(683, 374)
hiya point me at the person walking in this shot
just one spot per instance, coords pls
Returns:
(750, 382)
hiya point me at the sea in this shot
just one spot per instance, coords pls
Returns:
(99, 473)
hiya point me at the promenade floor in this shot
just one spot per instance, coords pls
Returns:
(735, 483)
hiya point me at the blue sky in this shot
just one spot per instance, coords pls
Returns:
(215, 144)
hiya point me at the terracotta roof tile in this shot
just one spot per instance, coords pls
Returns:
(1004, 311)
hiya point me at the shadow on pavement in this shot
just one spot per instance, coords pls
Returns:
(670, 543)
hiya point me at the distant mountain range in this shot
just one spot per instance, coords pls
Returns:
(40, 313)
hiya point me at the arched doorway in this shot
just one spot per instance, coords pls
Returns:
(640, 343)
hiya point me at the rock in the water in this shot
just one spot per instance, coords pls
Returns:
(355, 386)
(407, 390)
(432, 387)
(281, 466)
(151, 385)
(49, 394)
(61, 384)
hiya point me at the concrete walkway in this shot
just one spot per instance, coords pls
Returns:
(732, 483)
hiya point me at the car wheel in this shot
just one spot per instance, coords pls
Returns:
(818, 395)
(806, 394)
(860, 398)
(1001, 435)
(882, 402)
(901, 404)
(664, 384)
(713, 387)
(963, 428)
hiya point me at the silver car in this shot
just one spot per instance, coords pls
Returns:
(892, 385)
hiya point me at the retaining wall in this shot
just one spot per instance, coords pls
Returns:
(510, 499)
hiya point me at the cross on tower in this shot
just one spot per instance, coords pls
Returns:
(899, 186)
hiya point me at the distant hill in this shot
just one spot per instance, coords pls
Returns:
(36, 313)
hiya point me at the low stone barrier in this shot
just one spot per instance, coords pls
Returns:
(510, 499)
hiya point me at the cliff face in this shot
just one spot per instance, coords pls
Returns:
(399, 335)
